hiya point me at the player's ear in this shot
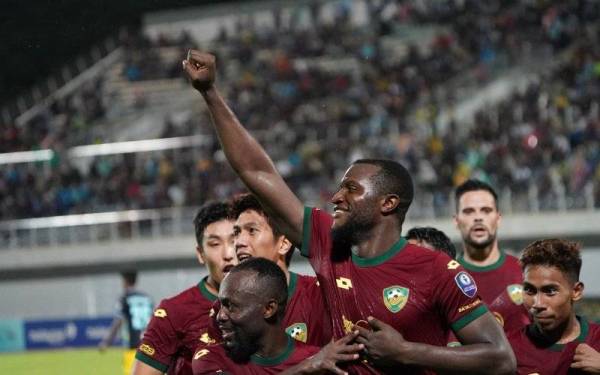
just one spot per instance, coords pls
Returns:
(200, 254)
(270, 309)
(284, 245)
(577, 292)
(389, 203)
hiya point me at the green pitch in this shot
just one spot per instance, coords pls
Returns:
(62, 362)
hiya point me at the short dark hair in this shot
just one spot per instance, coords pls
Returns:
(130, 277)
(244, 202)
(209, 213)
(270, 278)
(392, 178)
(435, 237)
(554, 252)
(474, 185)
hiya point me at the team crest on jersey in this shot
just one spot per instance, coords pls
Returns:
(395, 297)
(466, 284)
(515, 292)
(297, 331)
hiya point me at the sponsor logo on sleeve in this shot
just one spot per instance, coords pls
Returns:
(395, 297)
(298, 331)
(515, 292)
(452, 265)
(499, 318)
(147, 349)
(466, 284)
(160, 313)
(201, 353)
(469, 306)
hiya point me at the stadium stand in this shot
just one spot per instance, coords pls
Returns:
(284, 85)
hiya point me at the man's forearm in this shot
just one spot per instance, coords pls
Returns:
(244, 153)
(481, 358)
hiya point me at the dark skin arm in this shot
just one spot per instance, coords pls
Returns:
(246, 156)
(325, 361)
(485, 349)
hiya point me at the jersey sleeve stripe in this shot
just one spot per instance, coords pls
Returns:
(151, 362)
(306, 232)
(465, 320)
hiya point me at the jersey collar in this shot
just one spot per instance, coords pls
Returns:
(205, 292)
(471, 267)
(537, 337)
(583, 332)
(279, 359)
(292, 285)
(389, 253)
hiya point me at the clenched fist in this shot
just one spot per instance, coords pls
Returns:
(200, 68)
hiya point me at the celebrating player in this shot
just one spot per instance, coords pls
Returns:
(498, 275)
(557, 341)
(180, 323)
(414, 293)
(253, 299)
(255, 236)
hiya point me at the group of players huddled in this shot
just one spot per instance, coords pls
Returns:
(380, 302)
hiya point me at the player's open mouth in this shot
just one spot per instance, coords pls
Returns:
(337, 211)
(227, 268)
(226, 334)
(479, 229)
(242, 257)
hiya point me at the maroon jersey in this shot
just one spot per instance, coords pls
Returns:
(305, 314)
(535, 355)
(500, 287)
(179, 324)
(421, 293)
(213, 359)
(306, 317)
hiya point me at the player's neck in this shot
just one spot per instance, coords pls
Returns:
(286, 271)
(211, 285)
(482, 257)
(273, 343)
(380, 240)
(564, 333)
(571, 331)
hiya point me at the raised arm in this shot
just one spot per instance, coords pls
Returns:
(244, 153)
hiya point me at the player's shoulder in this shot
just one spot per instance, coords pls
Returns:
(183, 299)
(210, 359)
(317, 214)
(305, 281)
(426, 260)
(593, 333)
(512, 261)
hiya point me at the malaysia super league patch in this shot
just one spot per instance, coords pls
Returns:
(466, 284)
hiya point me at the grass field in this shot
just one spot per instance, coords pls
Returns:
(62, 362)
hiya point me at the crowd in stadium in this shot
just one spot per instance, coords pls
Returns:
(551, 141)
